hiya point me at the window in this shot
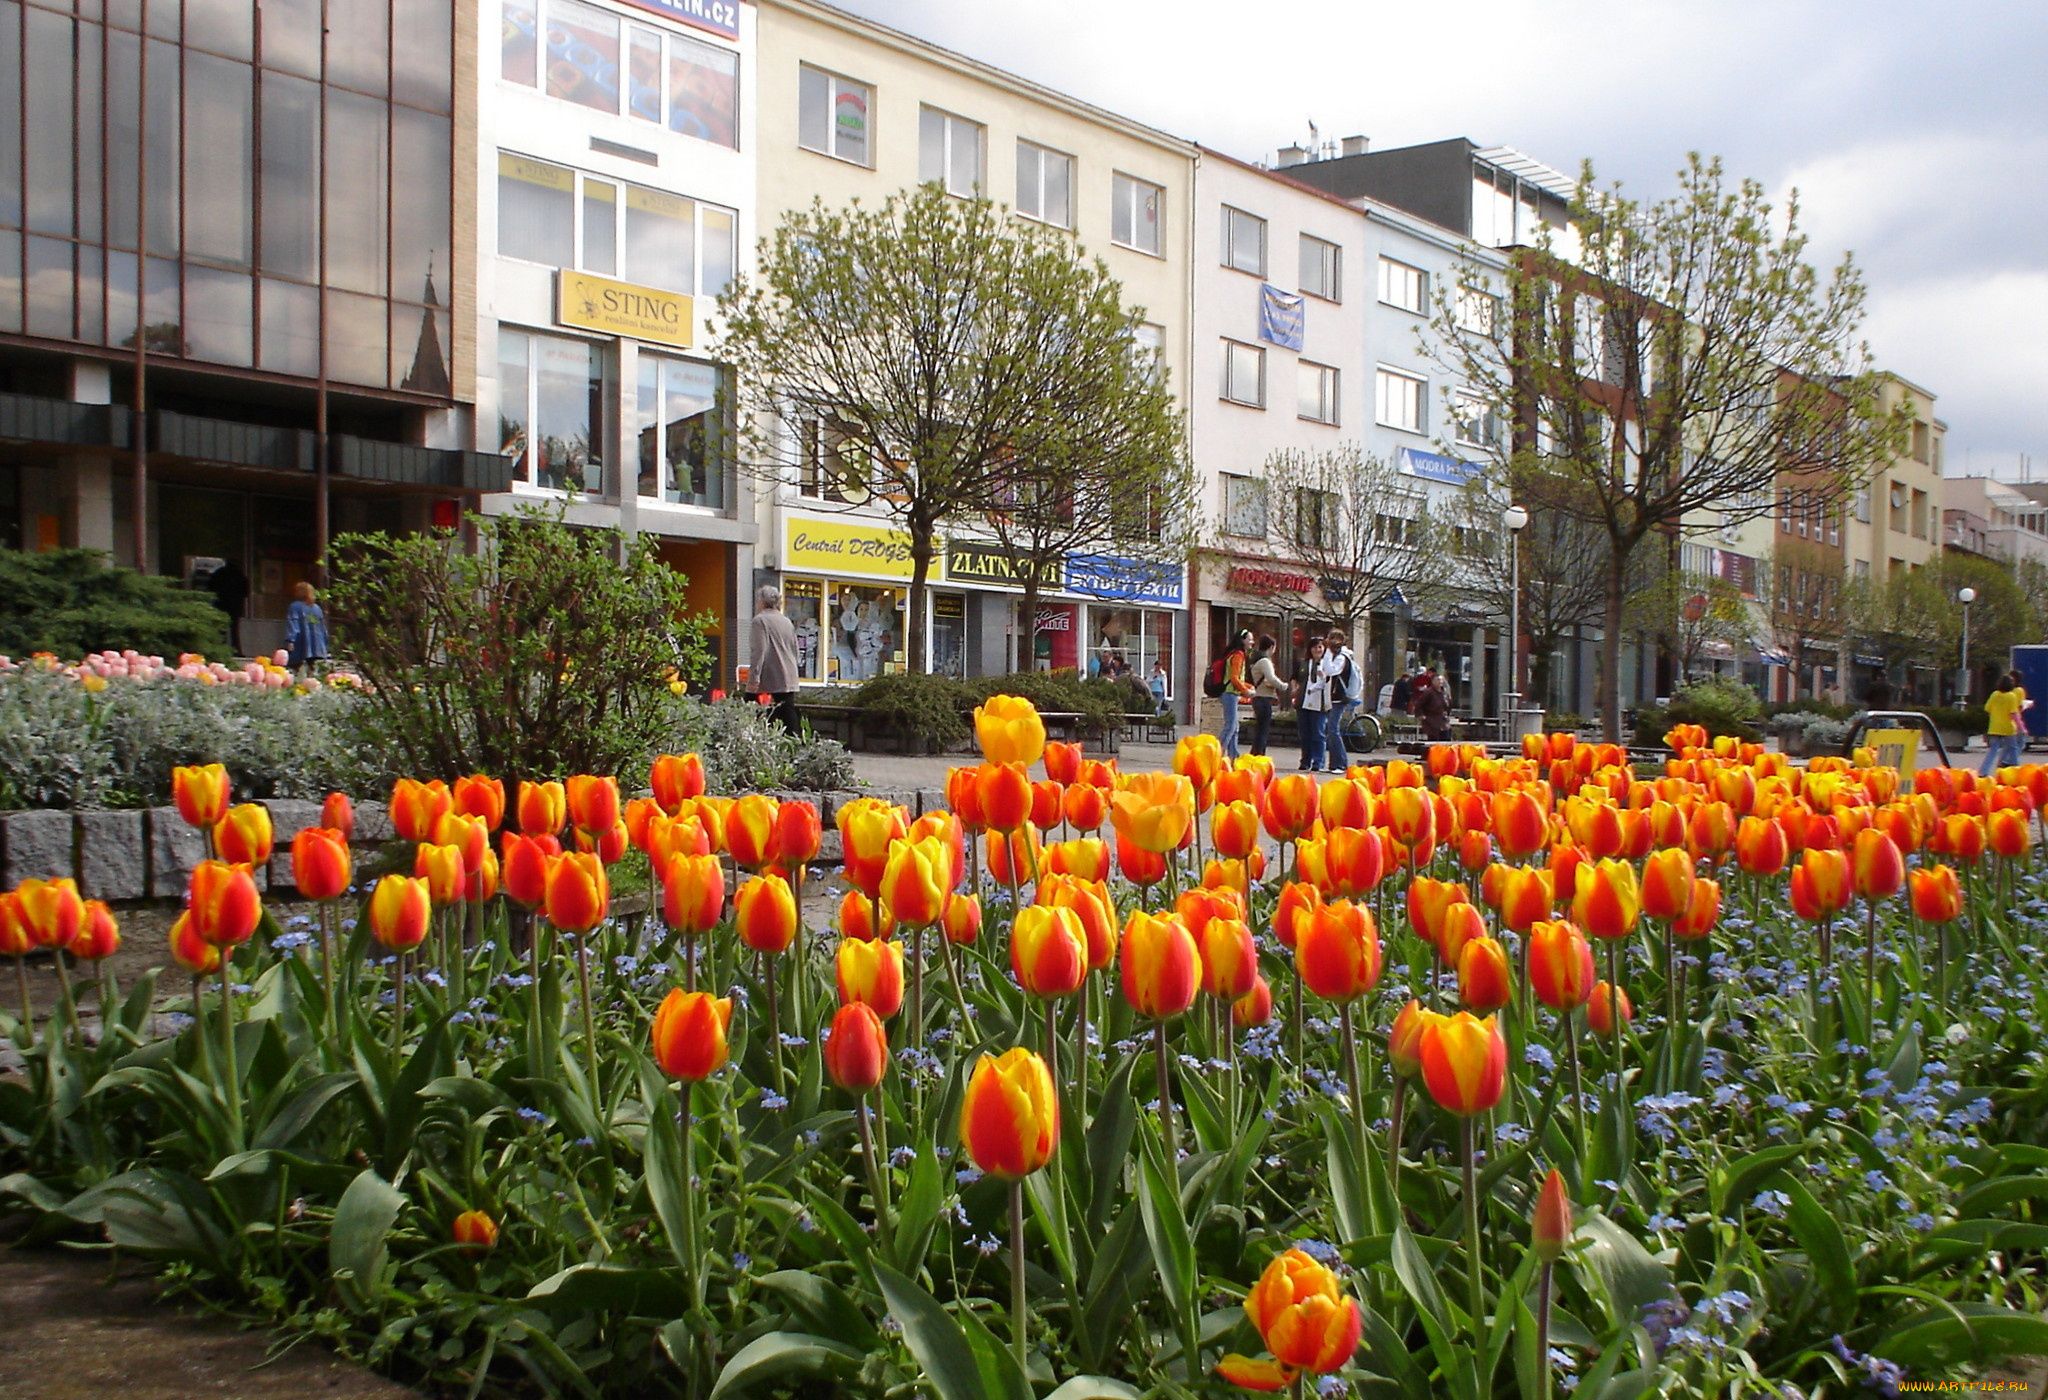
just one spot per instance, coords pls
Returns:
(948, 152)
(564, 218)
(1318, 393)
(1403, 286)
(1477, 309)
(833, 115)
(1477, 423)
(1863, 571)
(1045, 183)
(1244, 507)
(1322, 269)
(1923, 443)
(1244, 241)
(1863, 504)
(683, 447)
(1920, 515)
(551, 409)
(1398, 400)
(1135, 208)
(1316, 518)
(1148, 344)
(687, 85)
(1395, 530)
(1244, 374)
(832, 466)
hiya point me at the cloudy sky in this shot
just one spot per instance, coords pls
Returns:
(1916, 135)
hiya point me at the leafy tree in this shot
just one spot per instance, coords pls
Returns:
(954, 366)
(72, 601)
(546, 651)
(1801, 588)
(1675, 357)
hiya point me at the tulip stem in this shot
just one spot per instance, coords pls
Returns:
(1617, 1108)
(1870, 961)
(916, 983)
(231, 1080)
(1356, 1081)
(64, 995)
(326, 908)
(1081, 1052)
(1294, 1023)
(1474, 1292)
(28, 1023)
(1570, 1025)
(1052, 1039)
(867, 1151)
(1165, 1096)
(397, 1007)
(684, 1119)
(1017, 1328)
(765, 968)
(1543, 1367)
(589, 1015)
(1394, 1138)
(952, 978)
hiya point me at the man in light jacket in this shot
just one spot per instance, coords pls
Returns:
(1345, 681)
(774, 669)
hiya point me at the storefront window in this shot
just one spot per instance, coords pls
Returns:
(949, 635)
(551, 409)
(583, 55)
(866, 633)
(573, 50)
(1135, 641)
(804, 600)
(682, 451)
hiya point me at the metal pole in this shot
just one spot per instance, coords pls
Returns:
(1966, 687)
(1514, 672)
(140, 425)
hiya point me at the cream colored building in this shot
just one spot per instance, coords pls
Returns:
(1894, 525)
(848, 109)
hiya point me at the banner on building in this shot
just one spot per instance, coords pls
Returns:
(721, 17)
(1126, 580)
(835, 547)
(1434, 466)
(1280, 317)
(980, 561)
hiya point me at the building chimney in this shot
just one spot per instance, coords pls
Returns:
(1357, 145)
(1292, 155)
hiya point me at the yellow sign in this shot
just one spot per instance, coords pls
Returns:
(620, 308)
(835, 547)
(1895, 748)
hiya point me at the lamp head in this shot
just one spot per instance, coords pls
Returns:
(1514, 517)
(1967, 595)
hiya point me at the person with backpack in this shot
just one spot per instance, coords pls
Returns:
(1311, 701)
(1266, 692)
(1341, 671)
(1227, 672)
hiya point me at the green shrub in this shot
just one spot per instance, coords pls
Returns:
(926, 714)
(1810, 706)
(1954, 719)
(744, 751)
(1723, 707)
(71, 602)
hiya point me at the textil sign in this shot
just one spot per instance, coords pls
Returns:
(1136, 580)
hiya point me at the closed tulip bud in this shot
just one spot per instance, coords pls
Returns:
(645, 825)
(244, 836)
(1306, 1320)
(593, 802)
(856, 1048)
(526, 863)
(1699, 920)
(1595, 826)
(200, 793)
(676, 778)
(1604, 1003)
(1048, 951)
(579, 892)
(321, 863)
(1820, 884)
(1354, 860)
(1161, 965)
(668, 837)
(338, 813)
(1462, 923)
(799, 834)
(1297, 905)
(1063, 763)
(961, 919)
(1084, 806)
(1936, 894)
(1711, 832)
(1046, 803)
(1234, 829)
(1198, 758)
(858, 915)
(750, 830)
(1608, 901)
(914, 882)
(692, 894)
(1009, 730)
(1411, 816)
(1484, 983)
(482, 887)
(1560, 965)
(1230, 961)
(189, 950)
(417, 808)
(99, 935)
(400, 910)
(1475, 850)
(868, 827)
(963, 797)
(1550, 1231)
(871, 972)
(470, 836)
(1667, 886)
(1525, 896)
(689, 1035)
(1960, 835)
(480, 797)
(1254, 1008)
(1338, 952)
(764, 912)
(1153, 811)
(1428, 901)
(1289, 806)
(1877, 868)
(223, 902)
(1760, 846)
(51, 912)
(1345, 802)
(1013, 856)
(1085, 859)
(1518, 823)
(1091, 905)
(1404, 1039)
(474, 1231)
(441, 868)
(1006, 797)
(1138, 865)
(1464, 1063)
(2007, 833)
(543, 808)
(1010, 1116)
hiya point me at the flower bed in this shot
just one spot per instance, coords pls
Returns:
(1477, 1077)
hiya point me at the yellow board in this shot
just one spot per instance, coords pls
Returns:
(835, 548)
(620, 308)
(1894, 748)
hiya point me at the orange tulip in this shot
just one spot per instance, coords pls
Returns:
(1047, 803)
(1699, 920)
(1820, 884)
(1711, 832)
(914, 883)
(856, 1048)
(2007, 833)
(692, 894)
(1461, 924)
(1161, 965)
(1048, 951)
(1560, 965)
(1959, 835)
(1600, 1010)
(764, 912)
(871, 972)
(1760, 846)
(223, 902)
(417, 807)
(961, 919)
(1091, 905)
(593, 802)
(543, 808)
(1475, 849)
(338, 813)
(867, 828)
(1234, 829)
(1138, 865)
(1230, 960)
(1525, 896)
(1254, 1008)
(858, 918)
(1550, 1231)
(1518, 823)
(1936, 894)
(482, 797)
(1153, 811)
(470, 836)
(1668, 878)
(1084, 807)
(1608, 901)
(441, 868)
(200, 793)
(1428, 901)
(1404, 1039)
(1411, 817)
(474, 1231)
(321, 863)
(244, 836)
(1013, 856)
(945, 829)
(526, 867)
(1345, 802)
(1484, 983)
(1004, 796)
(1297, 905)
(1289, 806)
(1464, 1063)
(400, 910)
(1062, 763)
(1308, 1323)
(579, 892)
(1354, 859)
(963, 797)
(99, 936)
(1086, 858)
(1877, 869)
(676, 778)
(1338, 952)
(799, 833)
(1009, 730)
(1199, 758)
(51, 912)
(190, 951)
(1010, 1116)
(689, 1035)
(750, 830)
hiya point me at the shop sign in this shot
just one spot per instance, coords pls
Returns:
(1055, 620)
(978, 561)
(835, 547)
(1335, 589)
(1125, 579)
(1434, 466)
(720, 17)
(1247, 578)
(620, 308)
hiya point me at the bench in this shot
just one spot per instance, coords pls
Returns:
(830, 721)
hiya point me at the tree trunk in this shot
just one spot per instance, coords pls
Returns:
(922, 537)
(1027, 622)
(1610, 645)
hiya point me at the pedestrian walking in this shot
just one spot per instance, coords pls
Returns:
(774, 657)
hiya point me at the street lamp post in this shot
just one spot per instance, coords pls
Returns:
(1514, 517)
(1966, 596)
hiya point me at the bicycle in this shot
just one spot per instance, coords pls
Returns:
(1361, 732)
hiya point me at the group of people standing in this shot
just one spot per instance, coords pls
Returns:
(1326, 686)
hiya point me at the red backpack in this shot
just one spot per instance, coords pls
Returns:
(1218, 668)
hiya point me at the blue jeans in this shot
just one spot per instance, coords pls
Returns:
(1334, 752)
(1310, 723)
(2000, 751)
(1228, 733)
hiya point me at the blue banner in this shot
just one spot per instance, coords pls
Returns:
(1434, 466)
(1280, 317)
(721, 17)
(1135, 580)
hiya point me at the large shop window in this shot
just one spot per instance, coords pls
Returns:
(683, 445)
(564, 218)
(551, 409)
(846, 633)
(592, 57)
(1132, 642)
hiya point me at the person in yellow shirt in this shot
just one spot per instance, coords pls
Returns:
(2002, 734)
